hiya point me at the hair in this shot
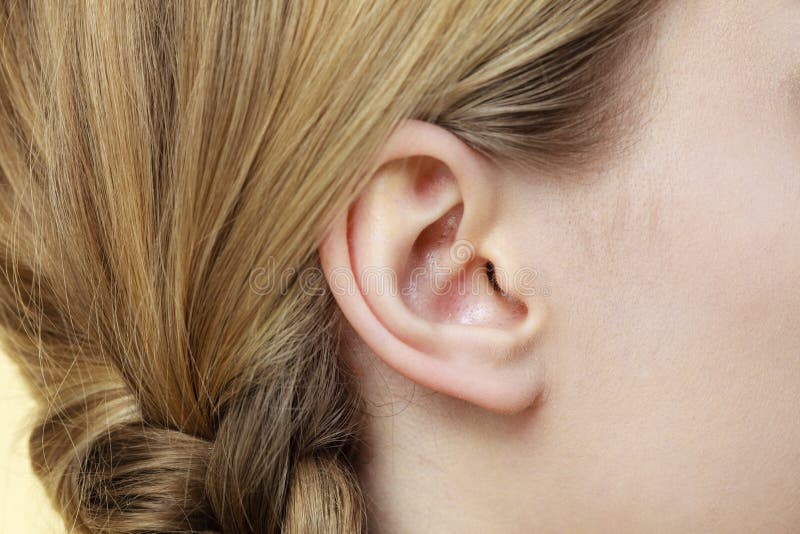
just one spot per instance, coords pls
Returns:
(155, 155)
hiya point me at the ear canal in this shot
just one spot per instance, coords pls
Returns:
(447, 281)
(491, 274)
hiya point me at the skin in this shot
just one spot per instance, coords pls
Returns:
(670, 354)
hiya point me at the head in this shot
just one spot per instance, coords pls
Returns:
(302, 267)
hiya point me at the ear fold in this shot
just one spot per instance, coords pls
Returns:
(415, 270)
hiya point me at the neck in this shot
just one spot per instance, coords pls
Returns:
(428, 469)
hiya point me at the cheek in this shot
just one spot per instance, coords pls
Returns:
(734, 237)
(675, 309)
(724, 378)
(727, 146)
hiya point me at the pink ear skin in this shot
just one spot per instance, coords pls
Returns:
(407, 266)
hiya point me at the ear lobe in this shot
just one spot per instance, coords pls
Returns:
(407, 265)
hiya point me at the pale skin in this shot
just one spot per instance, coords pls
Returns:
(651, 383)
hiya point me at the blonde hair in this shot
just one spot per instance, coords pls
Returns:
(154, 155)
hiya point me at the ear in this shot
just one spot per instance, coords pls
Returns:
(419, 269)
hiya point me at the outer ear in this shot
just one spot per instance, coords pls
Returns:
(416, 271)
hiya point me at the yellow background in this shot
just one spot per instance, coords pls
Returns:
(24, 508)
